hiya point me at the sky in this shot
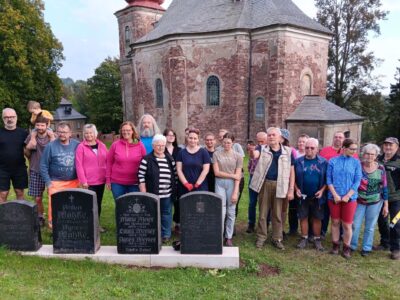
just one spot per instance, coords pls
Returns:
(88, 31)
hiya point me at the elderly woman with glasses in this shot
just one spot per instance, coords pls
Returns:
(157, 175)
(372, 194)
(90, 163)
(343, 179)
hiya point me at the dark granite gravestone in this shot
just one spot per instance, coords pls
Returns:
(138, 224)
(201, 223)
(19, 226)
(75, 221)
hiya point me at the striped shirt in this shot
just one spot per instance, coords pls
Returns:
(165, 176)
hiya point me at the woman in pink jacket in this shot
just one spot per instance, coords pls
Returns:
(90, 162)
(123, 161)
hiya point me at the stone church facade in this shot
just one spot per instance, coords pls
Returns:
(236, 64)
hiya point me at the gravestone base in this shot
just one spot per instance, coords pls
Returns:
(167, 258)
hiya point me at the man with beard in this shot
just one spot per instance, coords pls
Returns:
(12, 161)
(57, 164)
(148, 129)
(35, 144)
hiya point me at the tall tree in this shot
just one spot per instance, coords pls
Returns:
(350, 63)
(30, 56)
(392, 126)
(105, 97)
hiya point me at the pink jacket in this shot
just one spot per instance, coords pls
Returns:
(91, 168)
(123, 162)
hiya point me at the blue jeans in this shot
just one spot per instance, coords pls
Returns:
(370, 214)
(224, 187)
(121, 189)
(166, 217)
(253, 195)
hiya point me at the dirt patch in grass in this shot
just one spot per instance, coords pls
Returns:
(267, 270)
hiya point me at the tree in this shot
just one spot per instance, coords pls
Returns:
(350, 63)
(104, 96)
(30, 57)
(392, 126)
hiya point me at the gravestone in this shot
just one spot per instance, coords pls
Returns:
(75, 221)
(138, 224)
(19, 226)
(201, 223)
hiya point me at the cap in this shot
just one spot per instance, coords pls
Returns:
(285, 133)
(391, 140)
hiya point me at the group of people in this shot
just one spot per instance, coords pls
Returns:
(307, 185)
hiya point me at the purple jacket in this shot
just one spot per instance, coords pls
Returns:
(91, 168)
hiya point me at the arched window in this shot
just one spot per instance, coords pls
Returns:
(127, 35)
(159, 93)
(260, 109)
(213, 91)
(306, 85)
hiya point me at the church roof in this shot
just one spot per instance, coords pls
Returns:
(201, 16)
(66, 112)
(316, 108)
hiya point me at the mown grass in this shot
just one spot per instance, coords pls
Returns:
(302, 274)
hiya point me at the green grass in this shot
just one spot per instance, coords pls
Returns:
(303, 274)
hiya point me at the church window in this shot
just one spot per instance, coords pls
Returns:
(127, 35)
(306, 85)
(159, 93)
(260, 108)
(213, 94)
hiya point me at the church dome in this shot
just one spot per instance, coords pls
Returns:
(146, 3)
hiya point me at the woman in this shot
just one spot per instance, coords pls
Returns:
(123, 161)
(157, 175)
(343, 179)
(372, 194)
(172, 145)
(90, 163)
(227, 165)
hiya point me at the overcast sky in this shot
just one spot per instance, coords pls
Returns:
(88, 31)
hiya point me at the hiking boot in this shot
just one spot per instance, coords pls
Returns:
(395, 255)
(365, 253)
(380, 247)
(303, 243)
(335, 248)
(278, 244)
(250, 229)
(346, 253)
(318, 245)
(229, 243)
(259, 244)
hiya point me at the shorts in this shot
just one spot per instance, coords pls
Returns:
(18, 177)
(36, 184)
(310, 207)
(343, 211)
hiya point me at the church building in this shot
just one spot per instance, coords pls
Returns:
(243, 65)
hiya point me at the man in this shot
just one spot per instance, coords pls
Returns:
(390, 235)
(57, 164)
(12, 160)
(35, 144)
(273, 179)
(310, 185)
(253, 152)
(148, 129)
(209, 141)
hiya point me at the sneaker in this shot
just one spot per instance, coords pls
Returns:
(365, 253)
(229, 243)
(303, 243)
(346, 253)
(318, 245)
(250, 229)
(395, 255)
(278, 244)
(311, 239)
(335, 249)
(259, 244)
(380, 247)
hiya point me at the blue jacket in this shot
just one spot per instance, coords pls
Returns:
(344, 173)
(299, 172)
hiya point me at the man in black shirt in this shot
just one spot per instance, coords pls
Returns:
(12, 160)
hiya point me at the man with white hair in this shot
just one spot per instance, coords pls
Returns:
(310, 171)
(273, 179)
(12, 160)
(148, 129)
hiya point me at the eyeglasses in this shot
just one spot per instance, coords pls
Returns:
(370, 154)
(352, 149)
(310, 148)
(159, 146)
(9, 117)
(62, 132)
(171, 135)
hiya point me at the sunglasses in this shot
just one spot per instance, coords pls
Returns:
(310, 148)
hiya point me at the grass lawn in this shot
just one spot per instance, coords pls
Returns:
(265, 274)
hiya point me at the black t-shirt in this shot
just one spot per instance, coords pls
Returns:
(12, 144)
(272, 173)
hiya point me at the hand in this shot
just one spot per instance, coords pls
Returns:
(337, 199)
(290, 195)
(196, 186)
(319, 194)
(188, 186)
(49, 186)
(234, 198)
(237, 177)
(345, 198)
(51, 134)
(298, 193)
(108, 186)
(385, 210)
(85, 186)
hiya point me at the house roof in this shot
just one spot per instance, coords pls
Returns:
(316, 108)
(66, 112)
(195, 16)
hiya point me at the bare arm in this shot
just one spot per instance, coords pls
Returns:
(235, 193)
(203, 174)
(221, 174)
(181, 176)
(142, 187)
(291, 184)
